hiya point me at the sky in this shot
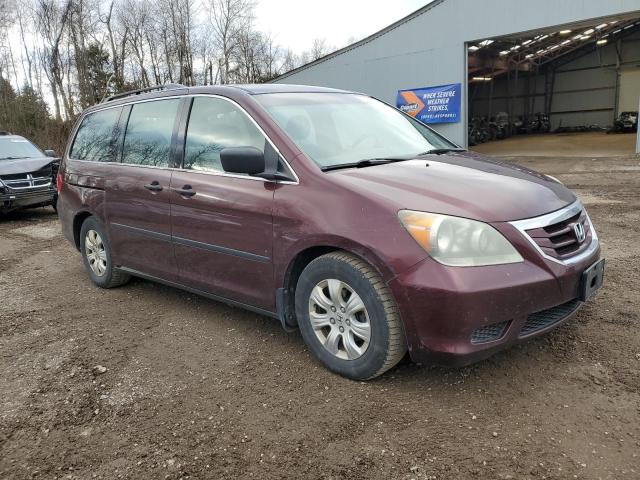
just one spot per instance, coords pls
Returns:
(296, 23)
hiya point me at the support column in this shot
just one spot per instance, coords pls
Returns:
(638, 134)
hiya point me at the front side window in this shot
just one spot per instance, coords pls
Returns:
(338, 128)
(147, 140)
(215, 124)
(93, 141)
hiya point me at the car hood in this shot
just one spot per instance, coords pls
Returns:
(24, 165)
(464, 184)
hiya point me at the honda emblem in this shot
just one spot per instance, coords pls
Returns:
(578, 229)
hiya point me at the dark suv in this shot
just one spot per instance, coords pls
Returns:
(27, 174)
(330, 211)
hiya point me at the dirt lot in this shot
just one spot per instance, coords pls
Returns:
(588, 144)
(196, 389)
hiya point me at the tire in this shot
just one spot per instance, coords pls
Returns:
(96, 256)
(356, 354)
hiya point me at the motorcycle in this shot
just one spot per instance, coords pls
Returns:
(626, 122)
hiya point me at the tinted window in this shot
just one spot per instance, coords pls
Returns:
(93, 140)
(215, 124)
(148, 136)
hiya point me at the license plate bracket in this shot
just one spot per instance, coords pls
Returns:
(592, 279)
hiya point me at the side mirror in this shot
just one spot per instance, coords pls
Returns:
(247, 160)
(50, 153)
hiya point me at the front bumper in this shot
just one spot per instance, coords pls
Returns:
(457, 316)
(14, 199)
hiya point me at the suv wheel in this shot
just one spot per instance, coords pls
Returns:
(96, 254)
(348, 318)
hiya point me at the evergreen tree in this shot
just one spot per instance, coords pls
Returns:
(99, 73)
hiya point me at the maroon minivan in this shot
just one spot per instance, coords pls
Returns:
(330, 211)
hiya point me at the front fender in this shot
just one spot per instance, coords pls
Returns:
(284, 260)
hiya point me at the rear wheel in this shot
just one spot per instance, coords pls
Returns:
(348, 317)
(96, 255)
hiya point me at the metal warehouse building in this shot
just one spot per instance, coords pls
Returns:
(575, 61)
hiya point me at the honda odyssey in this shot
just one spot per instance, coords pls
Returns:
(331, 212)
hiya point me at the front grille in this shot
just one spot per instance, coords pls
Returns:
(560, 240)
(32, 180)
(13, 176)
(40, 182)
(489, 333)
(545, 318)
(17, 184)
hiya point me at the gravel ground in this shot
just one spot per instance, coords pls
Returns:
(196, 389)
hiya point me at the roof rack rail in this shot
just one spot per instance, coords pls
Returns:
(4, 132)
(166, 86)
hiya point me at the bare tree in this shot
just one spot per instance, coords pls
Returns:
(118, 38)
(81, 50)
(82, 21)
(289, 60)
(6, 6)
(318, 49)
(5, 22)
(229, 18)
(180, 25)
(23, 16)
(137, 18)
(52, 23)
(270, 55)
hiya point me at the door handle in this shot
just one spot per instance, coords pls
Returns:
(153, 186)
(186, 191)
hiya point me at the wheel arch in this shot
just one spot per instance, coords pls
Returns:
(304, 256)
(78, 220)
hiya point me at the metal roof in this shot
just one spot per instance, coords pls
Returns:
(491, 58)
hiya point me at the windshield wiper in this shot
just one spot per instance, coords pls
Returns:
(440, 151)
(12, 158)
(367, 162)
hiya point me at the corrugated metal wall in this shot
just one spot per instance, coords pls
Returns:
(429, 48)
(629, 90)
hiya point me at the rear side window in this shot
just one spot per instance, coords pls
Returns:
(215, 124)
(93, 141)
(147, 140)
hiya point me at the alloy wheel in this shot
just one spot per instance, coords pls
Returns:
(339, 319)
(95, 252)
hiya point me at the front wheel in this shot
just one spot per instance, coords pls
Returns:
(348, 318)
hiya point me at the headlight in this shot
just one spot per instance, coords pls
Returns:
(458, 242)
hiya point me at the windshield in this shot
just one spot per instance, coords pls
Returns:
(338, 129)
(16, 147)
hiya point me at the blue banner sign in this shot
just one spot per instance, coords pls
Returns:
(439, 104)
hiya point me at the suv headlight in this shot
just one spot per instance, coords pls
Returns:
(458, 242)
